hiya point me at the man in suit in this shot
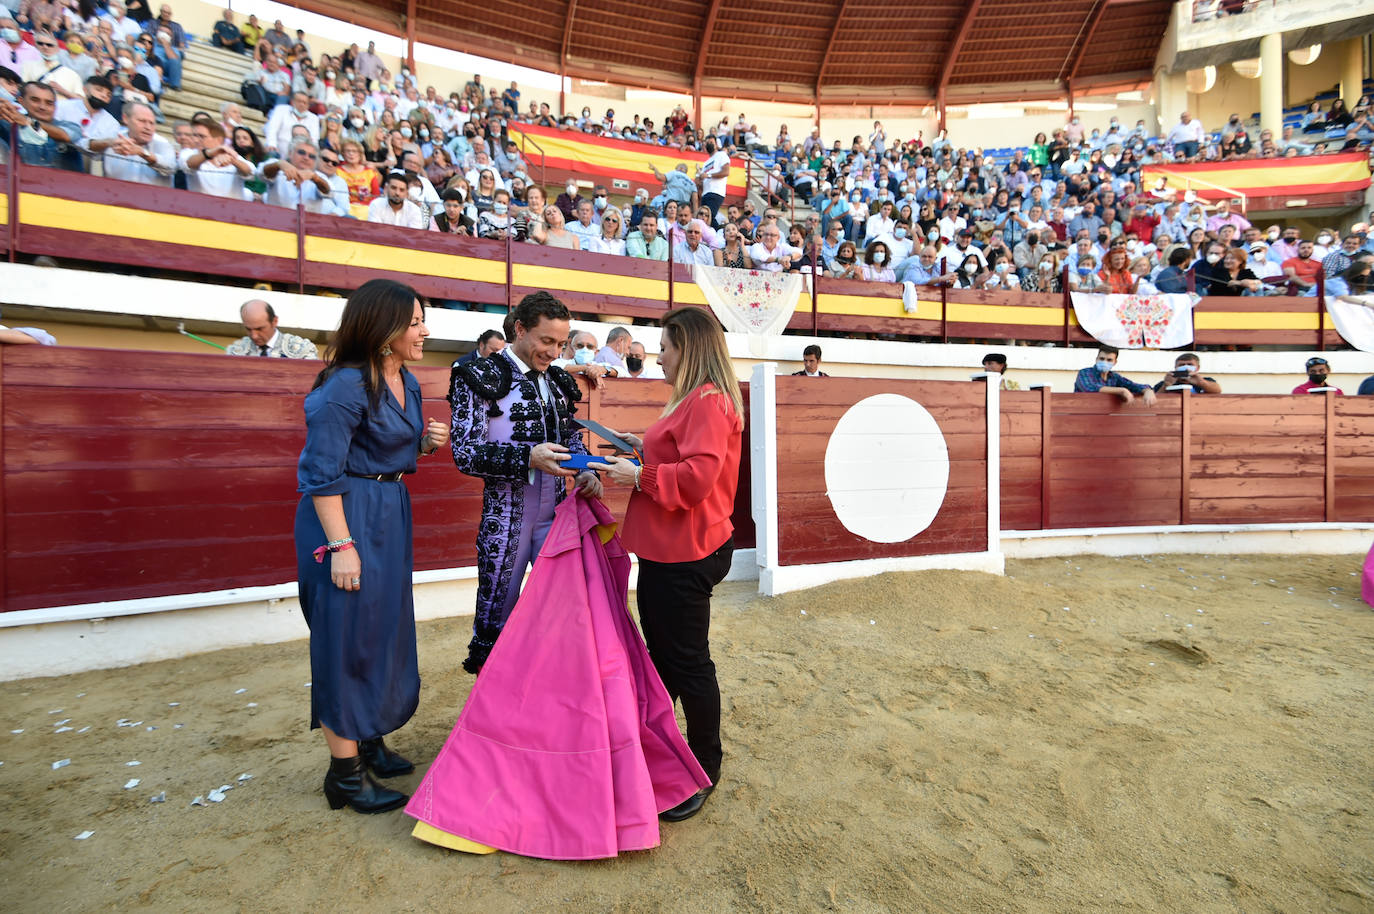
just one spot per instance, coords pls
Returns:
(811, 358)
(491, 341)
(264, 339)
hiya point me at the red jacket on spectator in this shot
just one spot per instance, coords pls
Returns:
(1143, 227)
(1060, 229)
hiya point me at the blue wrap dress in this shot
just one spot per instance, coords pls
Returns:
(366, 679)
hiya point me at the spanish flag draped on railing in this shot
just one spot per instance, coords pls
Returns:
(564, 152)
(1271, 184)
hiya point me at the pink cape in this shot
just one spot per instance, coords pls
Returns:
(567, 748)
(1367, 581)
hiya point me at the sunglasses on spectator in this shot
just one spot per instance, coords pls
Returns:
(46, 44)
(329, 161)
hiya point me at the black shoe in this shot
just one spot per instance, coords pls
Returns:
(381, 761)
(688, 807)
(348, 782)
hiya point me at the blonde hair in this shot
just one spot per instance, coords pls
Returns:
(702, 358)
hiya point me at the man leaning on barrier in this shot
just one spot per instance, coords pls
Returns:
(1188, 370)
(1102, 377)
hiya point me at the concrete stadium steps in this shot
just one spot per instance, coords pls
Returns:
(210, 77)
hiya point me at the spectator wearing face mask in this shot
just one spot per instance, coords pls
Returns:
(495, 223)
(1102, 377)
(1318, 375)
(877, 265)
(49, 69)
(1209, 274)
(89, 112)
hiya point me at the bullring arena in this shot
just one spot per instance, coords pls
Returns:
(988, 642)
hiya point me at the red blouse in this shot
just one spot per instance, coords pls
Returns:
(686, 495)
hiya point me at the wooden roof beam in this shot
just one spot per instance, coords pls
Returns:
(703, 47)
(955, 47)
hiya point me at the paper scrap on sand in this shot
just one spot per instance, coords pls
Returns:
(84, 835)
(61, 764)
(133, 782)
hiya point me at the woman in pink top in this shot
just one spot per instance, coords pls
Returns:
(678, 523)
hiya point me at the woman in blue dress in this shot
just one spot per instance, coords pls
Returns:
(364, 430)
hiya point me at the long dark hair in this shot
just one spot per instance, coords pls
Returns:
(378, 312)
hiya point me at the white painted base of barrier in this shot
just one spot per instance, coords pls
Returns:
(784, 578)
(1194, 539)
(94, 636)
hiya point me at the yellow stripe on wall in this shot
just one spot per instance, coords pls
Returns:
(4, 209)
(144, 225)
(587, 281)
(1257, 320)
(403, 260)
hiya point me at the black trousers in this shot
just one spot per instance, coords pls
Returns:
(675, 614)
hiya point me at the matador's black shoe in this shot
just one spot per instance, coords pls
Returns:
(381, 761)
(688, 807)
(349, 783)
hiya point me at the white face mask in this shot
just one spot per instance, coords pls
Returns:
(357, 122)
(1213, 258)
(1323, 239)
(572, 190)
(415, 194)
(879, 257)
(971, 266)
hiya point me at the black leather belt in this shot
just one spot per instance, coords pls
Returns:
(380, 477)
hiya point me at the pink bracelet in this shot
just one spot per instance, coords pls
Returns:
(319, 553)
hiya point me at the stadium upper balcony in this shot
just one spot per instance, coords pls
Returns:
(1203, 33)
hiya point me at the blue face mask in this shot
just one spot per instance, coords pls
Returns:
(900, 233)
(584, 356)
(1103, 365)
(1084, 271)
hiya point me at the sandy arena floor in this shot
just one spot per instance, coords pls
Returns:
(1166, 735)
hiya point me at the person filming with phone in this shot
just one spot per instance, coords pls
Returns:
(1188, 370)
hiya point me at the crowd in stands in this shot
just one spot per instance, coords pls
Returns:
(345, 136)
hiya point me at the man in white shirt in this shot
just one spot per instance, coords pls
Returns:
(714, 177)
(293, 179)
(138, 153)
(962, 249)
(584, 228)
(125, 29)
(277, 134)
(394, 206)
(89, 112)
(769, 252)
(612, 355)
(692, 249)
(1183, 136)
(49, 69)
(212, 165)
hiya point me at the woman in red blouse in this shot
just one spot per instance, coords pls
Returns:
(1116, 271)
(678, 523)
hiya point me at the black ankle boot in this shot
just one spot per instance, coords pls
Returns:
(348, 782)
(381, 761)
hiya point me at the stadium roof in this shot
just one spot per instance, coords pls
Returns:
(835, 51)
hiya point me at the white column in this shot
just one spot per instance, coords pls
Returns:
(1271, 83)
(1171, 98)
(1352, 71)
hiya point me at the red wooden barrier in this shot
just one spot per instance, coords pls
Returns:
(1086, 460)
(141, 474)
(810, 531)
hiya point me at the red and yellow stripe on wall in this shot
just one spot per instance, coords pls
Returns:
(586, 156)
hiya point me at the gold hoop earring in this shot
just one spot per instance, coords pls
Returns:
(386, 350)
